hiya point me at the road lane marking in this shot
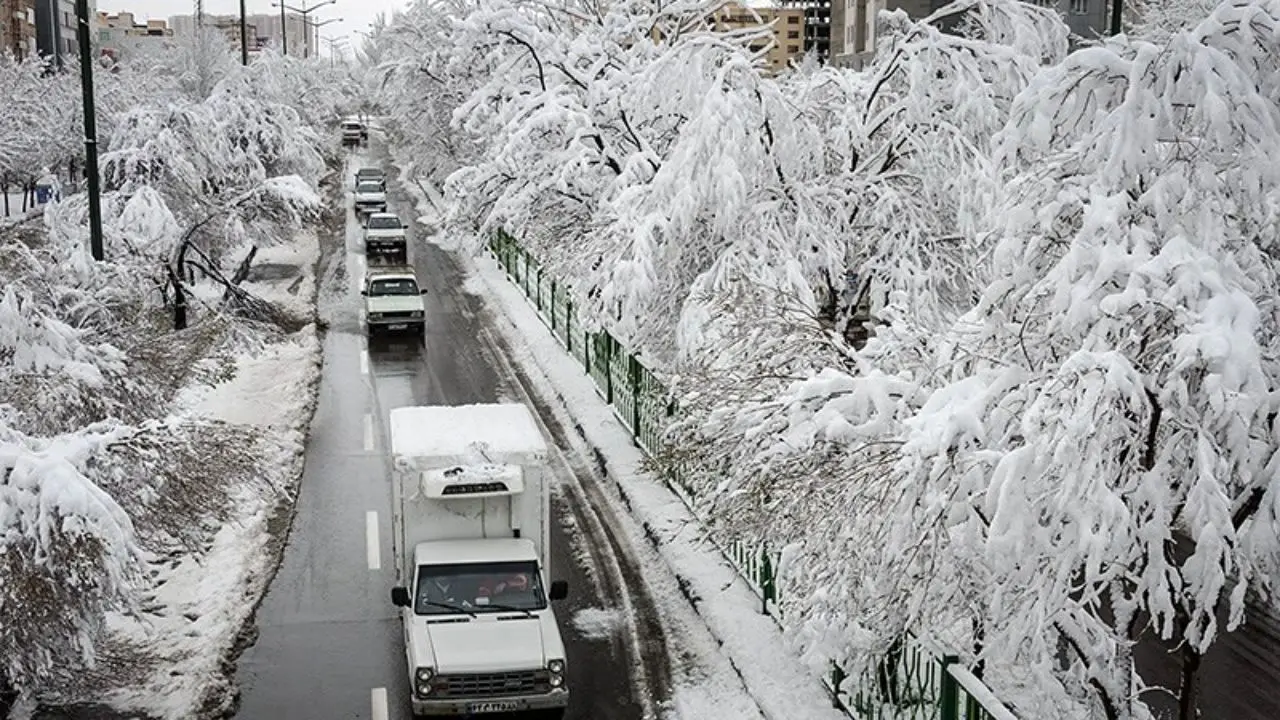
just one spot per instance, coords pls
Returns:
(364, 362)
(371, 540)
(368, 433)
(378, 698)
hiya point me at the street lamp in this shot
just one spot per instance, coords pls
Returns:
(314, 26)
(334, 42)
(284, 33)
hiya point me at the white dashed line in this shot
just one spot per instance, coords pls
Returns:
(371, 540)
(379, 702)
(368, 433)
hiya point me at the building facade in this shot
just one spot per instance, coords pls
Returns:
(268, 32)
(119, 34)
(853, 32)
(817, 25)
(56, 27)
(787, 27)
(1086, 18)
(18, 30)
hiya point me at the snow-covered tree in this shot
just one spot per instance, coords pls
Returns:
(1158, 20)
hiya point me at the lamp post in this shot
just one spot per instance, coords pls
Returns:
(312, 27)
(244, 37)
(90, 130)
(304, 11)
(333, 48)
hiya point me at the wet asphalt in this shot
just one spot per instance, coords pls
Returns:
(328, 643)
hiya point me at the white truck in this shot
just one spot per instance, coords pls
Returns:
(471, 516)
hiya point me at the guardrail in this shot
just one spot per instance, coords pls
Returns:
(910, 682)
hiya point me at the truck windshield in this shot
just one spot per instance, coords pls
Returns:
(368, 187)
(473, 586)
(394, 286)
(383, 223)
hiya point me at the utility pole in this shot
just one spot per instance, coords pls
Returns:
(1117, 17)
(244, 36)
(90, 130)
(284, 33)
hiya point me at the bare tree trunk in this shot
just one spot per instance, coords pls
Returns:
(8, 696)
(5, 190)
(1189, 692)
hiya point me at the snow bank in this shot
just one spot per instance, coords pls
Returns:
(198, 604)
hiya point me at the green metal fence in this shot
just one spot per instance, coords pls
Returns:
(909, 683)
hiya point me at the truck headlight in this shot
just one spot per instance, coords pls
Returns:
(424, 674)
(556, 668)
(415, 314)
(375, 316)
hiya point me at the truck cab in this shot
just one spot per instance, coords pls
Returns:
(393, 301)
(471, 519)
(385, 238)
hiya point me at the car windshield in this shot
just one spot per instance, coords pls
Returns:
(350, 126)
(369, 187)
(394, 286)
(383, 223)
(369, 173)
(478, 587)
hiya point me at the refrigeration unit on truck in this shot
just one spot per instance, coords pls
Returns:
(471, 517)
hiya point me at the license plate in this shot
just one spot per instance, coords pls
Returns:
(493, 707)
(398, 326)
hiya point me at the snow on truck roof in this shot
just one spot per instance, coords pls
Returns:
(459, 552)
(455, 430)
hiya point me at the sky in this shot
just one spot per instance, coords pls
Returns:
(355, 14)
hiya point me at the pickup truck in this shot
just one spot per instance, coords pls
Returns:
(393, 301)
(385, 237)
(371, 197)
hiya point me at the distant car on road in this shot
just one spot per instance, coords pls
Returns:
(354, 133)
(368, 174)
(393, 301)
(371, 197)
(385, 237)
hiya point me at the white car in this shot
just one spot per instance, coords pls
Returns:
(393, 301)
(385, 237)
(371, 197)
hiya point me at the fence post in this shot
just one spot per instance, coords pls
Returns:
(633, 377)
(608, 365)
(554, 305)
(949, 700)
(768, 583)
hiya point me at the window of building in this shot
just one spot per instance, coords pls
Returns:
(793, 49)
(793, 19)
(1079, 7)
(793, 34)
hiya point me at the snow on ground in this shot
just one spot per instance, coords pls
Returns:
(677, 550)
(597, 623)
(200, 604)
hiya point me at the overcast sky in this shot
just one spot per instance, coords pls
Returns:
(355, 14)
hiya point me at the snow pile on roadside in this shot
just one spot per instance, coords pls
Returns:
(200, 603)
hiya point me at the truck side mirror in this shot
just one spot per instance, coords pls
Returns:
(559, 590)
(423, 291)
(366, 293)
(400, 597)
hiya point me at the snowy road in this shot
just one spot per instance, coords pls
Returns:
(329, 644)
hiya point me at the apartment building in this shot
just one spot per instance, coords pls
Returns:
(119, 34)
(18, 29)
(56, 27)
(787, 26)
(269, 31)
(817, 25)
